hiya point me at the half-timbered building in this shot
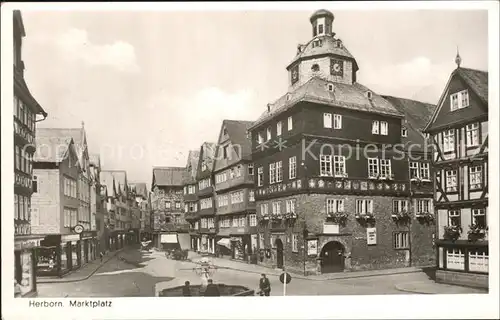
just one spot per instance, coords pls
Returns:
(459, 131)
(190, 198)
(205, 194)
(333, 191)
(235, 200)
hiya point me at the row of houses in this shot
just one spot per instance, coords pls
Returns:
(335, 177)
(67, 209)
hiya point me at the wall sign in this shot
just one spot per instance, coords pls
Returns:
(371, 236)
(312, 247)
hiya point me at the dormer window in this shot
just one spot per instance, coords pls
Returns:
(404, 132)
(330, 87)
(288, 96)
(315, 67)
(317, 43)
(369, 95)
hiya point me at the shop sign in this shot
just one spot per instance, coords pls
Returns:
(70, 237)
(88, 234)
(168, 238)
(371, 236)
(312, 247)
(26, 244)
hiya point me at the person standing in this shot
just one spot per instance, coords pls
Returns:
(186, 290)
(212, 289)
(101, 255)
(264, 285)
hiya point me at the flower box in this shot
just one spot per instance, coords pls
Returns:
(452, 232)
(338, 217)
(427, 216)
(403, 215)
(342, 175)
(365, 216)
(290, 215)
(476, 232)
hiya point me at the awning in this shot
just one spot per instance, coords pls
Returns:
(225, 242)
(168, 238)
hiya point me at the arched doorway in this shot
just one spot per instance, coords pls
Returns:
(332, 257)
(279, 253)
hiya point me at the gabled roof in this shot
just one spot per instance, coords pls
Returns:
(119, 180)
(237, 131)
(476, 80)
(77, 134)
(106, 179)
(417, 114)
(207, 156)
(140, 188)
(189, 175)
(167, 176)
(51, 149)
(353, 97)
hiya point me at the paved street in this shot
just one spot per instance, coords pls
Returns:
(134, 274)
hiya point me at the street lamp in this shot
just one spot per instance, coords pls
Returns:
(305, 233)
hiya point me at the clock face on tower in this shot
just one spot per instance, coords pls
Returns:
(336, 67)
(295, 74)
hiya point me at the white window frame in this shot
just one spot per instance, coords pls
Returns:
(399, 206)
(251, 196)
(260, 138)
(384, 128)
(276, 207)
(449, 140)
(373, 167)
(472, 134)
(478, 261)
(454, 101)
(464, 99)
(479, 212)
(451, 180)
(264, 209)
(404, 132)
(292, 167)
(337, 121)
(414, 170)
(326, 165)
(455, 259)
(272, 173)
(339, 168)
(290, 123)
(476, 177)
(364, 206)
(401, 240)
(279, 171)
(453, 217)
(375, 127)
(423, 206)
(253, 220)
(290, 205)
(327, 120)
(260, 176)
(385, 167)
(279, 128)
(268, 134)
(250, 169)
(425, 171)
(334, 205)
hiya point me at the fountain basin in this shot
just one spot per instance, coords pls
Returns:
(196, 291)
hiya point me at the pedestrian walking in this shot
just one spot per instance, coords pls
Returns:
(186, 290)
(101, 255)
(264, 285)
(212, 289)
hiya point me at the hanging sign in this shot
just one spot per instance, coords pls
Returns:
(371, 236)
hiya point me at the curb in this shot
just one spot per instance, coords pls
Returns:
(351, 276)
(84, 278)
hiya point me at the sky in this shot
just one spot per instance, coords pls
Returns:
(150, 86)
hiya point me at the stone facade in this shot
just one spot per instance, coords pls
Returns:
(311, 211)
(462, 278)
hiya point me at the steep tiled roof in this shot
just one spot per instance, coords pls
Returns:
(140, 188)
(168, 176)
(77, 134)
(237, 131)
(51, 149)
(347, 96)
(119, 177)
(477, 81)
(189, 175)
(416, 116)
(106, 179)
